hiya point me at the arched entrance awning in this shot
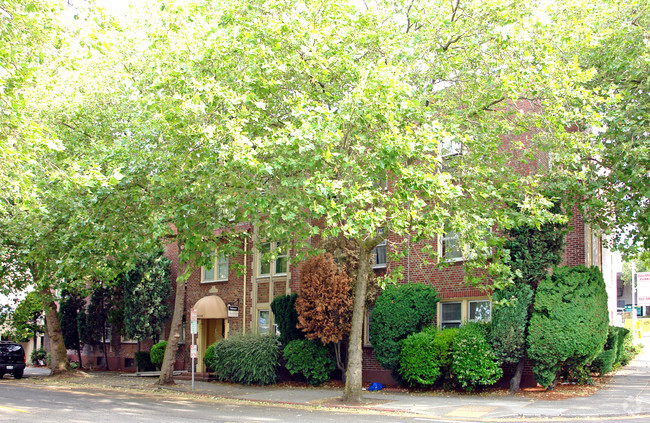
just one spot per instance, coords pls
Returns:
(211, 307)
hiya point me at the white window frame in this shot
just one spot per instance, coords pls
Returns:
(464, 309)
(469, 304)
(446, 238)
(376, 264)
(459, 321)
(218, 261)
(268, 326)
(450, 148)
(272, 263)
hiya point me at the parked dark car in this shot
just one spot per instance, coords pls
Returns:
(12, 359)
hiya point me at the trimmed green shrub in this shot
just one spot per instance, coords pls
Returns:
(310, 358)
(620, 333)
(418, 359)
(208, 358)
(604, 363)
(247, 359)
(400, 311)
(509, 321)
(629, 349)
(38, 356)
(143, 360)
(157, 353)
(474, 363)
(442, 345)
(569, 323)
(286, 317)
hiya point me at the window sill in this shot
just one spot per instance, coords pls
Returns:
(379, 266)
(217, 281)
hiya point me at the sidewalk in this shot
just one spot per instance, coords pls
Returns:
(627, 394)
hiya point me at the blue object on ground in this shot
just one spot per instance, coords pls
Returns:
(375, 386)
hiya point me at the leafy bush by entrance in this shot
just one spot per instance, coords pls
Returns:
(157, 353)
(38, 356)
(310, 358)
(418, 364)
(474, 363)
(400, 310)
(247, 359)
(208, 358)
(569, 323)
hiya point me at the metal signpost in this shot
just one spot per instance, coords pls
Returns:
(194, 331)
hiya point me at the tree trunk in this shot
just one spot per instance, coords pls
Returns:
(167, 368)
(515, 382)
(104, 347)
(79, 355)
(59, 362)
(353, 379)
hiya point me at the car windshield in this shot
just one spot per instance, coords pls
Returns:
(5, 349)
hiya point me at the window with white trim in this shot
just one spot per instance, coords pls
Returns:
(266, 265)
(449, 246)
(449, 147)
(378, 254)
(263, 321)
(479, 310)
(451, 314)
(217, 270)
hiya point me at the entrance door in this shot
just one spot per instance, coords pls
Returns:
(210, 331)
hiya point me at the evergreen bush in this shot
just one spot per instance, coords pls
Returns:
(418, 359)
(569, 323)
(604, 363)
(286, 317)
(310, 358)
(143, 360)
(157, 353)
(400, 311)
(474, 363)
(247, 359)
(509, 321)
(621, 333)
(208, 358)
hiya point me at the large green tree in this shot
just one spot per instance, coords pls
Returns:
(306, 112)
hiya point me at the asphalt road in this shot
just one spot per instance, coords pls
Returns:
(20, 403)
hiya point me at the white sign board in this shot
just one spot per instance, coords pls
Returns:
(233, 311)
(194, 327)
(193, 315)
(193, 351)
(643, 289)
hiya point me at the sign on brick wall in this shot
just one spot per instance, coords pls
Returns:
(643, 288)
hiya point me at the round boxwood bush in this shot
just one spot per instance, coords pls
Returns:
(247, 359)
(418, 364)
(400, 311)
(569, 324)
(474, 363)
(157, 353)
(310, 358)
(442, 346)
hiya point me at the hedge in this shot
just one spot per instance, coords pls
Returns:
(418, 364)
(400, 311)
(569, 323)
(474, 363)
(246, 359)
(310, 358)
(157, 353)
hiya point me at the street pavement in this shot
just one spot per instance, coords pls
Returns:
(627, 394)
